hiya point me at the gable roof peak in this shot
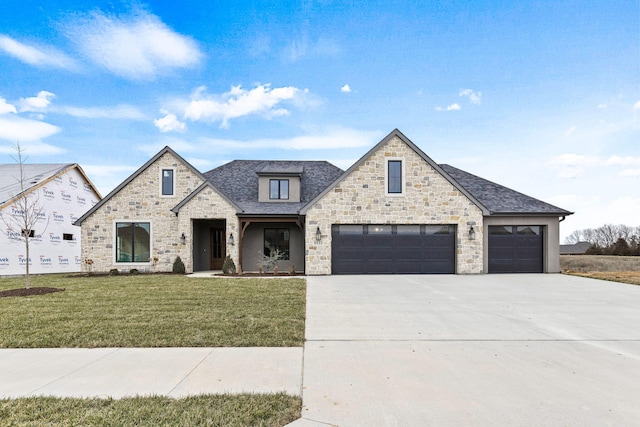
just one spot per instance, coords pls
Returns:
(140, 170)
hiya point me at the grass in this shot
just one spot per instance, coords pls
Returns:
(154, 311)
(604, 267)
(603, 263)
(205, 410)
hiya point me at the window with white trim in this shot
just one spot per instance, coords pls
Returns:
(394, 177)
(133, 241)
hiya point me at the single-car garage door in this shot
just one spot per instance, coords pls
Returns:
(515, 249)
(393, 249)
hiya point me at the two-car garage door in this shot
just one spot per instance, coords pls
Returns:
(393, 249)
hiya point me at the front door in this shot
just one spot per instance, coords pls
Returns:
(218, 248)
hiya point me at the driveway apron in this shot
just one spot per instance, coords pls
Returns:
(486, 350)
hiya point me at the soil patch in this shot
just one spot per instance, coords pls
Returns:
(23, 292)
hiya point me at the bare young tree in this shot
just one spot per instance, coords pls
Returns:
(25, 213)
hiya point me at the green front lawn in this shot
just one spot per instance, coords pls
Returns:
(154, 311)
(208, 410)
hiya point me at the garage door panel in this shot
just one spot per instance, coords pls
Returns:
(515, 249)
(387, 249)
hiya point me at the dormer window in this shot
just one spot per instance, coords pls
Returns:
(279, 183)
(279, 189)
(167, 182)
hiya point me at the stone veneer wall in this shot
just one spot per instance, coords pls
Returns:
(208, 204)
(140, 200)
(361, 198)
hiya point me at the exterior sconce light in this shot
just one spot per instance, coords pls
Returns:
(183, 239)
(318, 235)
(232, 241)
(472, 233)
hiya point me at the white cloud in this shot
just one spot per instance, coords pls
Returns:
(137, 46)
(5, 107)
(452, 107)
(623, 161)
(169, 123)
(36, 104)
(335, 138)
(570, 131)
(38, 56)
(630, 173)
(636, 106)
(571, 165)
(239, 102)
(474, 97)
(345, 89)
(18, 129)
(122, 111)
(602, 106)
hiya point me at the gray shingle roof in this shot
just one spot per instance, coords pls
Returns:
(34, 174)
(575, 249)
(499, 199)
(238, 180)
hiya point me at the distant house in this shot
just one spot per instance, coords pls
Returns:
(579, 248)
(394, 211)
(65, 193)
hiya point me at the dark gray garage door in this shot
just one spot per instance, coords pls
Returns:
(515, 249)
(393, 249)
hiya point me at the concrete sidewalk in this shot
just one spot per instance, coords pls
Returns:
(124, 372)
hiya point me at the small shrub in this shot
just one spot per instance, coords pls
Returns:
(114, 272)
(268, 262)
(178, 266)
(133, 271)
(228, 266)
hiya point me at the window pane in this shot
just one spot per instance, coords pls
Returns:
(530, 229)
(501, 230)
(408, 229)
(274, 189)
(124, 239)
(395, 176)
(133, 242)
(276, 239)
(141, 242)
(379, 229)
(438, 229)
(349, 229)
(283, 242)
(284, 189)
(167, 182)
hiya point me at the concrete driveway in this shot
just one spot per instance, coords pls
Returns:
(489, 350)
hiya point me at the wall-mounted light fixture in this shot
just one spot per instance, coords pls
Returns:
(472, 233)
(232, 241)
(183, 239)
(318, 235)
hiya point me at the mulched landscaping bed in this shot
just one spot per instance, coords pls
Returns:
(23, 292)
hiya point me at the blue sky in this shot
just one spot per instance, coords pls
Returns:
(543, 97)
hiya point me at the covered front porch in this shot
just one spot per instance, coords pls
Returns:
(260, 237)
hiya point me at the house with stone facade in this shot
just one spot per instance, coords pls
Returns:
(394, 211)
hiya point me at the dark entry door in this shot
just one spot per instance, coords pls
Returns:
(515, 249)
(218, 248)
